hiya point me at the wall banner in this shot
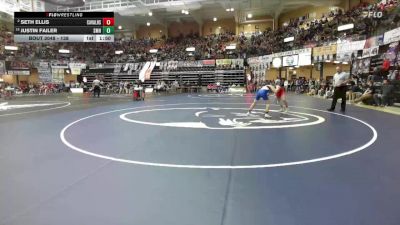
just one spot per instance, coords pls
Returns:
(324, 50)
(391, 36)
(2, 67)
(44, 71)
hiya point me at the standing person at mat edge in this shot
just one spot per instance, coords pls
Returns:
(96, 87)
(262, 93)
(340, 80)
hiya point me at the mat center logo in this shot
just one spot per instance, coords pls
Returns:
(215, 117)
(220, 118)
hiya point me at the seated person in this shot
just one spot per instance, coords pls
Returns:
(175, 84)
(368, 94)
(219, 87)
(386, 92)
(109, 88)
(31, 89)
(353, 92)
(321, 91)
(394, 75)
(312, 91)
(160, 86)
(329, 92)
(43, 89)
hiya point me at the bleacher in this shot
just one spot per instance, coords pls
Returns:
(200, 76)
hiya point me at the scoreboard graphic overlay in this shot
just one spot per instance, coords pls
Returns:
(64, 27)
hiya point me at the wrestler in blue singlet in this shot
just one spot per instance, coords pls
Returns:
(262, 93)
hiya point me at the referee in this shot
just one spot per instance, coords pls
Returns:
(96, 87)
(340, 80)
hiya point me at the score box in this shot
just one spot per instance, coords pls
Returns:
(64, 27)
(108, 30)
(108, 21)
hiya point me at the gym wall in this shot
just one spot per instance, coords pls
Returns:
(177, 28)
(211, 27)
(153, 31)
(312, 11)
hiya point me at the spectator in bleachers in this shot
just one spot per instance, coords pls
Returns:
(367, 95)
(354, 91)
(383, 99)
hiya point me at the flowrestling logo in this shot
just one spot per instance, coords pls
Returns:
(373, 14)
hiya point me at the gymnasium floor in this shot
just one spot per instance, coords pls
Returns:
(196, 160)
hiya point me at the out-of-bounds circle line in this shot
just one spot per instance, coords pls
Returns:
(184, 166)
(65, 104)
(318, 121)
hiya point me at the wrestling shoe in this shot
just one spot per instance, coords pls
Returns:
(267, 116)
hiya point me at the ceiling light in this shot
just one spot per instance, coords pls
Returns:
(183, 11)
(288, 39)
(66, 51)
(277, 62)
(150, 13)
(215, 19)
(219, 27)
(11, 48)
(153, 50)
(231, 47)
(190, 49)
(346, 27)
(119, 52)
(187, 12)
(248, 25)
(148, 24)
(228, 10)
(119, 27)
(249, 15)
(232, 9)
(336, 62)
(345, 63)
(327, 61)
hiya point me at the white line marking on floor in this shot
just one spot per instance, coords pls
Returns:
(40, 110)
(167, 165)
